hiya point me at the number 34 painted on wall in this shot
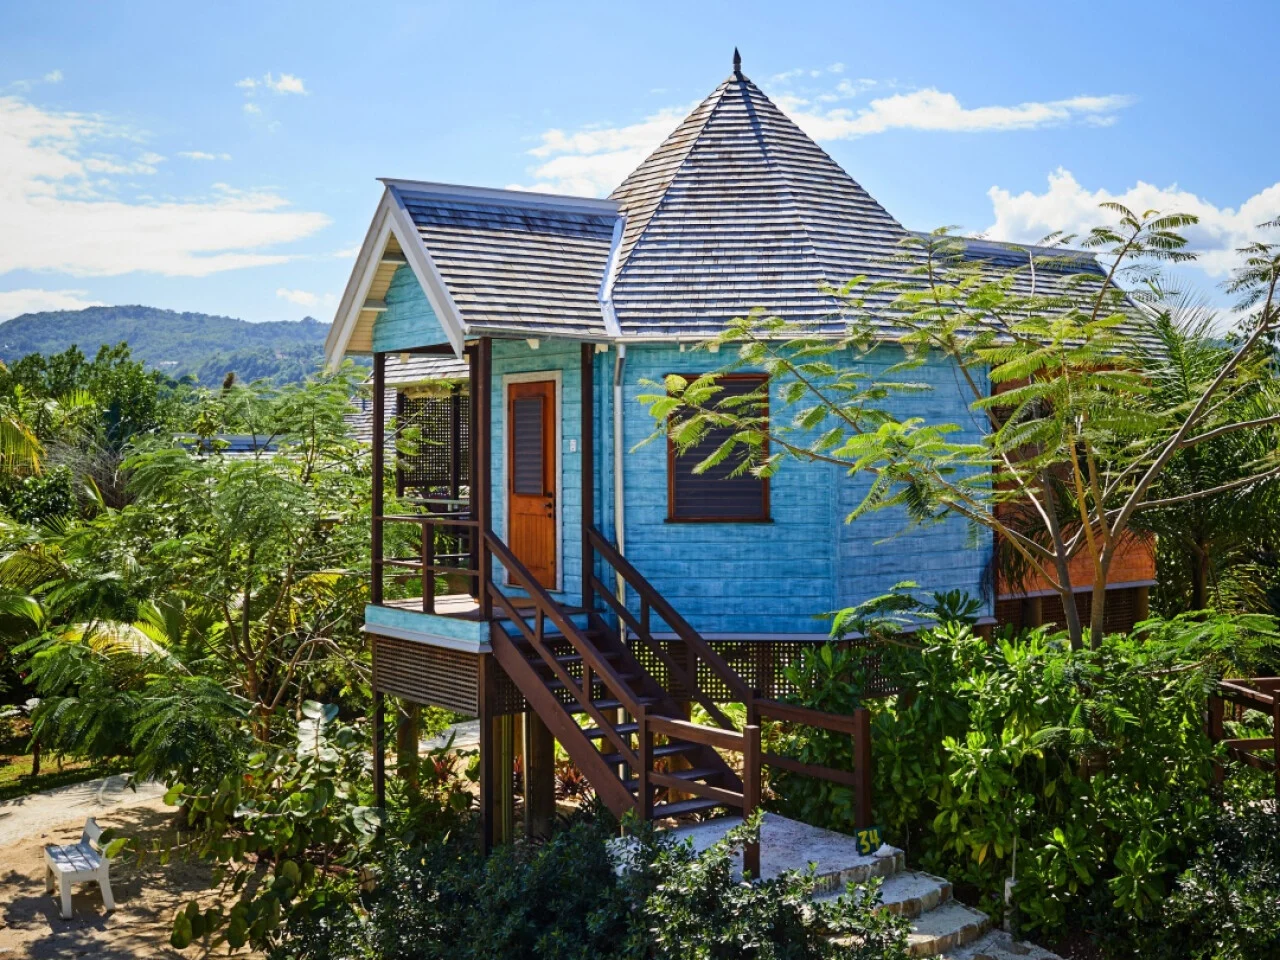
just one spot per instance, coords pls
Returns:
(868, 840)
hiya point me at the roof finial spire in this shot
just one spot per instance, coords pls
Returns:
(737, 62)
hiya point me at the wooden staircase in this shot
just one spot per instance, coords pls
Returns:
(569, 664)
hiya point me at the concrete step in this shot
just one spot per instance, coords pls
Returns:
(908, 893)
(998, 945)
(789, 845)
(946, 927)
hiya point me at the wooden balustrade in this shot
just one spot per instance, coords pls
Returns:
(1259, 695)
(428, 563)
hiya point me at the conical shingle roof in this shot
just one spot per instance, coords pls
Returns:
(740, 209)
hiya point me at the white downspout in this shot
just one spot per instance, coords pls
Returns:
(619, 503)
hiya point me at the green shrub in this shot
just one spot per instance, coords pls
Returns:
(1227, 904)
(568, 899)
(1093, 764)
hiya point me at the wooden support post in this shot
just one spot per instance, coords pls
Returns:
(379, 466)
(482, 486)
(455, 442)
(487, 692)
(379, 753)
(398, 431)
(1215, 730)
(407, 732)
(428, 575)
(1275, 737)
(473, 366)
(539, 778)
(503, 743)
(1032, 612)
(751, 794)
(1141, 604)
(862, 768)
(644, 793)
(588, 461)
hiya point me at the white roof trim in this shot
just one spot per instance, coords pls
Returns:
(611, 265)
(514, 198)
(353, 297)
(392, 218)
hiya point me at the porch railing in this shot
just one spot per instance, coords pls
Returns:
(450, 521)
(1257, 695)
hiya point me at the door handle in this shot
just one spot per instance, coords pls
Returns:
(550, 506)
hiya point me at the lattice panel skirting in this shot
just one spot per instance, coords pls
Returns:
(429, 675)
(762, 665)
(1125, 607)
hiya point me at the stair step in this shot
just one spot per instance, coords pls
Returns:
(697, 773)
(908, 893)
(624, 729)
(945, 928)
(610, 704)
(665, 750)
(556, 684)
(998, 945)
(571, 658)
(684, 807)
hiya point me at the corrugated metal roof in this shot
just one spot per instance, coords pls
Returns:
(519, 269)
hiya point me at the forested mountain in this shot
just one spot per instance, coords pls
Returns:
(199, 344)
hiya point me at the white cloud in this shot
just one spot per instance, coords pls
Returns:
(203, 155)
(594, 160)
(62, 210)
(1067, 206)
(347, 253)
(287, 83)
(53, 76)
(934, 110)
(252, 108)
(14, 303)
(301, 297)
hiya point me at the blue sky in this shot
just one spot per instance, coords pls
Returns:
(222, 157)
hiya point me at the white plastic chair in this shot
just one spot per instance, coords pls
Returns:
(79, 863)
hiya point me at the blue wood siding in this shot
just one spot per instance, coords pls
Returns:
(776, 578)
(516, 357)
(408, 321)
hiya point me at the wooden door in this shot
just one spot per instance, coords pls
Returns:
(531, 477)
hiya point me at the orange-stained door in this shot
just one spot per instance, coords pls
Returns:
(531, 477)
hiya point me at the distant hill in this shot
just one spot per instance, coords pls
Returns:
(199, 344)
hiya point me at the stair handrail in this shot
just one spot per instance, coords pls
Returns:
(746, 742)
(681, 627)
(546, 607)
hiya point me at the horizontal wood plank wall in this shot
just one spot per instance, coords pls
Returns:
(774, 578)
(408, 321)
(516, 356)
(947, 556)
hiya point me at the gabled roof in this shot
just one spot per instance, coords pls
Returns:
(738, 209)
(515, 262)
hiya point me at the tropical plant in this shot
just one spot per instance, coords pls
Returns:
(1073, 440)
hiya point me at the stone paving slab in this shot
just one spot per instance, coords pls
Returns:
(999, 945)
(789, 845)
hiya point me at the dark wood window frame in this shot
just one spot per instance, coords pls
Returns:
(764, 516)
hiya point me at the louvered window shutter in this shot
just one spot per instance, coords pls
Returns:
(713, 496)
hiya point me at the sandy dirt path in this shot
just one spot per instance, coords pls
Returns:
(147, 894)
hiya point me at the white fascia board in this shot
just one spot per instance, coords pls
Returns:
(353, 297)
(606, 282)
(424, 268)
(515, 198)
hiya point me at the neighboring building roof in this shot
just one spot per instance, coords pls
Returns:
(516, 264)
(738, 209)
(415, 368)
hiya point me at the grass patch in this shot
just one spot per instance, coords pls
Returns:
(16, 762)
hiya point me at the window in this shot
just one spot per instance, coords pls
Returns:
(713, 496)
